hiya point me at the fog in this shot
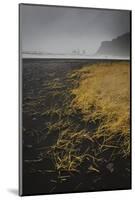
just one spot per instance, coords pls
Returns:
(50, 31)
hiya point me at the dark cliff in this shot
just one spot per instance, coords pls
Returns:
(118, 47)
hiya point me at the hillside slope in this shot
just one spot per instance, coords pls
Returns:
(118, 47)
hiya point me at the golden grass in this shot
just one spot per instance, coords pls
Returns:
(103, 95)
(94, 123)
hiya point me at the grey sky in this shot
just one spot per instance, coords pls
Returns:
(60, 30)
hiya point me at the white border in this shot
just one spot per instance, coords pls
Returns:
(9, 98)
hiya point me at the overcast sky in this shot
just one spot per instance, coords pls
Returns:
(60, 30)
